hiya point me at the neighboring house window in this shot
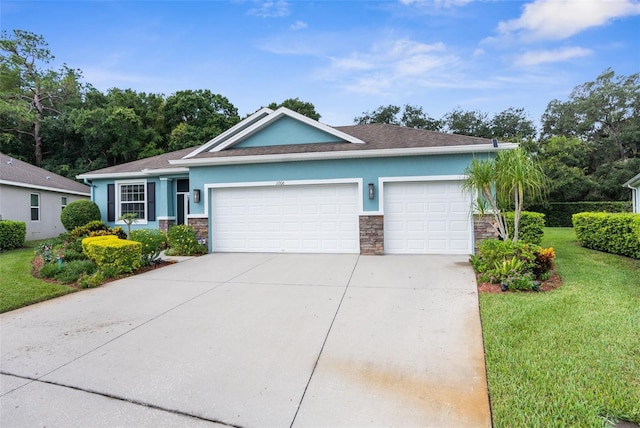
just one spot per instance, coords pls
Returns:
(35, 207)
(63, 201)
(130, 196)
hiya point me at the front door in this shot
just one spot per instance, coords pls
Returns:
(182, 206)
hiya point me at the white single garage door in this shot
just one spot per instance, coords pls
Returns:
(289, 218)
(429, 217)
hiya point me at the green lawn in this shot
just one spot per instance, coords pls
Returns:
(569, 357)
(18, 287)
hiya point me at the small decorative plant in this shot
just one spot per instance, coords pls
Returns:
(128, 219)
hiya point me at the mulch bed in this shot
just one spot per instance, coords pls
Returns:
(552, 283)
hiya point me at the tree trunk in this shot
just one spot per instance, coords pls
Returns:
(36, 126)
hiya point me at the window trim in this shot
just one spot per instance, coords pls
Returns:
(32, 207)
(117, 195)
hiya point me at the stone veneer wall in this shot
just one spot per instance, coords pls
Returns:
(201, 226)
(483, 229)
(165, 224)
(372, 235)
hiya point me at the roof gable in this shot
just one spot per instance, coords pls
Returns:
(286, 131)
(634, 182)
(261, 129)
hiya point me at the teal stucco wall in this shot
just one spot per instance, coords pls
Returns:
(285, 131)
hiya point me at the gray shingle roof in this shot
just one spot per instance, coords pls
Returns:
(17, 171)
(154, 162)
(375, 136)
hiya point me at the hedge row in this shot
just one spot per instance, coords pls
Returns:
(12, 234)
(558, 214)
(616, 233)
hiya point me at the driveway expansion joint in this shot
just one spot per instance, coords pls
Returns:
(324, 342)
(116, 397)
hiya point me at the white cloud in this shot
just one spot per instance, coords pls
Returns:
(560, 19)
(299, 25)
(390, 65)
(555, 55)
(270, 9)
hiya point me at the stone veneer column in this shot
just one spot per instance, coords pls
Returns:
(164, 225)
(483, 228)
(372, 235)
(201, 226)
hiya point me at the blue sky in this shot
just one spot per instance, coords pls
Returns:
(345, 57)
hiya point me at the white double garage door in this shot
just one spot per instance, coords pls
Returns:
(420, 217)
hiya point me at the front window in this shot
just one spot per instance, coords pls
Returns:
(35, 207)
(132, 199)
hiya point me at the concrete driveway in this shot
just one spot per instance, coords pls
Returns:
(254, 340)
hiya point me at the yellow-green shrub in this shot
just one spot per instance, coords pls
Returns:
(114, 253)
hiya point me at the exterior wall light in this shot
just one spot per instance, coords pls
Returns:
(371, 191)
(196, 196)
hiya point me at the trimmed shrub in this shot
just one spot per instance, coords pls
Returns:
(183, 242)
(615, 233)
(86, 229)
(558, 214)
(12, 234)
(78, 213)
(153, 242)
(110, 252)
(531, 228)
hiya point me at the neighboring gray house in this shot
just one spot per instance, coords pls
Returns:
(36, 196)
(281, 182)
(634, 185)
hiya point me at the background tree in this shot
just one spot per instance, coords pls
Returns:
(473, 123)
(194, 117)
(512, 124)
(604, 118)
(28, 93)
(302, 107)
(408, 115)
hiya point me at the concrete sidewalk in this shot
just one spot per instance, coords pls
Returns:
(254, 340)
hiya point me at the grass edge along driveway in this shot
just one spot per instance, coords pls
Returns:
(569, 357)
(18, 287)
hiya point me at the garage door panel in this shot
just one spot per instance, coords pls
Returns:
(426, 217)
(314, 218)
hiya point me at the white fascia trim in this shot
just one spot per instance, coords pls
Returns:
(272, 117)
(114, 175)
(49, 189)
(355, 154)
(166, 217)
(210, 186)
(635, 180)
(165, 171)
(137, 174)
(231, 131)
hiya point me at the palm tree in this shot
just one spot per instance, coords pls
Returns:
(502, 184)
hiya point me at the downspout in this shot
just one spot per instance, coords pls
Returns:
(635, 198)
